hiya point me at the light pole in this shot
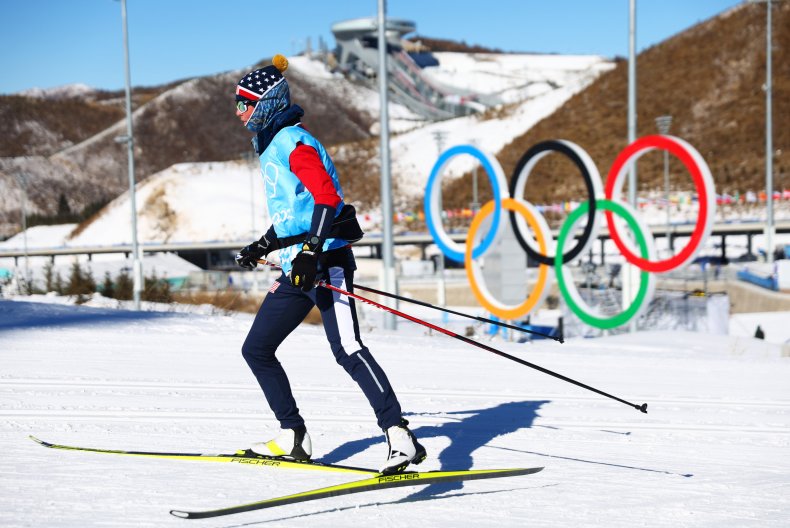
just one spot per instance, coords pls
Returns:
(632, 96)
(663, 123)
(769, 155)
(475, 201)
(629, 271)
(387, 249)
(769, 158)
(475, 205)
(249, 157)
(23, 185)
(129, 140)
(439, 136)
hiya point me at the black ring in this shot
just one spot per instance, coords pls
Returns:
(562, 148)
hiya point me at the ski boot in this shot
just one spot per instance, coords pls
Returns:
(404, 449)
(290, 443)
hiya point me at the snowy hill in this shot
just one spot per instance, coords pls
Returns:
(185, 203)
(540, 83)
(338, 112)
(535, 86)
(195, 202)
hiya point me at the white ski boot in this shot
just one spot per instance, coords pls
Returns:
(404, 449)
(290, 443)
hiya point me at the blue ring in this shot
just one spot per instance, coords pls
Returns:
(435, 173)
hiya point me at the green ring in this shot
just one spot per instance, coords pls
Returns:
(623, 317)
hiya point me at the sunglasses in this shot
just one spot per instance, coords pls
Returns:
(242, 106)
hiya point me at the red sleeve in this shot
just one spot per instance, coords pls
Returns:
(307, 166)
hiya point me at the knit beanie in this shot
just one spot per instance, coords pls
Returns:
(269, 89)
(258, 83)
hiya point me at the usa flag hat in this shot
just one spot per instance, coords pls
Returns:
(254, 85)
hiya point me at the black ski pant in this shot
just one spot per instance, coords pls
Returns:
(283, 309)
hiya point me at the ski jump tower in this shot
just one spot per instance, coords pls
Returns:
(358, 58)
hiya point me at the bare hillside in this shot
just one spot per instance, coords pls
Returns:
(66, 147)
(709, 79)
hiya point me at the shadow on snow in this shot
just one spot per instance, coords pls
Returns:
(17, 315)
(471, 430)
(466, 435)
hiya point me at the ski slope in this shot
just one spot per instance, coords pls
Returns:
(711, 452)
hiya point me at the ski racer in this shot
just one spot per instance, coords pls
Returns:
(312, 228)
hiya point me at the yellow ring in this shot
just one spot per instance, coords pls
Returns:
(499, 310)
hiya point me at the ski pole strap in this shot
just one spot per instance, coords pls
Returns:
(344, 226)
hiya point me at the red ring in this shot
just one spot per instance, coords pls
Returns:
(680, 152)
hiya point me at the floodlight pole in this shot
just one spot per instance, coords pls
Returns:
(387, 250)
(632, 96)
(129, 140)
(441, 294)
(23, 185)
(769, 158)
(663, 123)
(628, 276)
(249, 157)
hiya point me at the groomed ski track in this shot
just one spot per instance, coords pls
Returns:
(711, 451)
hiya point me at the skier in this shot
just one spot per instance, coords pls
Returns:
(312, 228)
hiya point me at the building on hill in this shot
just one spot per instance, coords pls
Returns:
(358, 58)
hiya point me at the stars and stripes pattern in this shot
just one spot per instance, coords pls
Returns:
(256, 83)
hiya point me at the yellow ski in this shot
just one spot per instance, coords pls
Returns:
(239, 457)
(370, 484)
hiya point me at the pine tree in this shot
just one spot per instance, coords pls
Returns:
(64, 211)
(107, 287)
(124, 287)
(81, 283)
(157, 290)
(57, 284)
(49, 278)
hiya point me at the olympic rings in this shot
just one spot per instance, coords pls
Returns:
(433, 193)
(703, 181)
(647, 282)
(523, 214)
(474, 274)
(592, 179)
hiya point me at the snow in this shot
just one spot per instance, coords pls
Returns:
(774, 326)
(184, 203)
(513, 77)
(310, 67)
(65, 91)
(39, 237)
(710, 452)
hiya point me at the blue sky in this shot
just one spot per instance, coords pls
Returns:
(46, 43)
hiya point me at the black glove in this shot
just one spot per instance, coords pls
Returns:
(248, 256)
(304, 266)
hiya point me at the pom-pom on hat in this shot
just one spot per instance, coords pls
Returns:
(256, 84)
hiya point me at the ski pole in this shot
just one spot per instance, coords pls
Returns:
(429, 305)
(469, 316)
(324, 284)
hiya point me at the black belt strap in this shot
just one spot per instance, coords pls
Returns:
(345, 226)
